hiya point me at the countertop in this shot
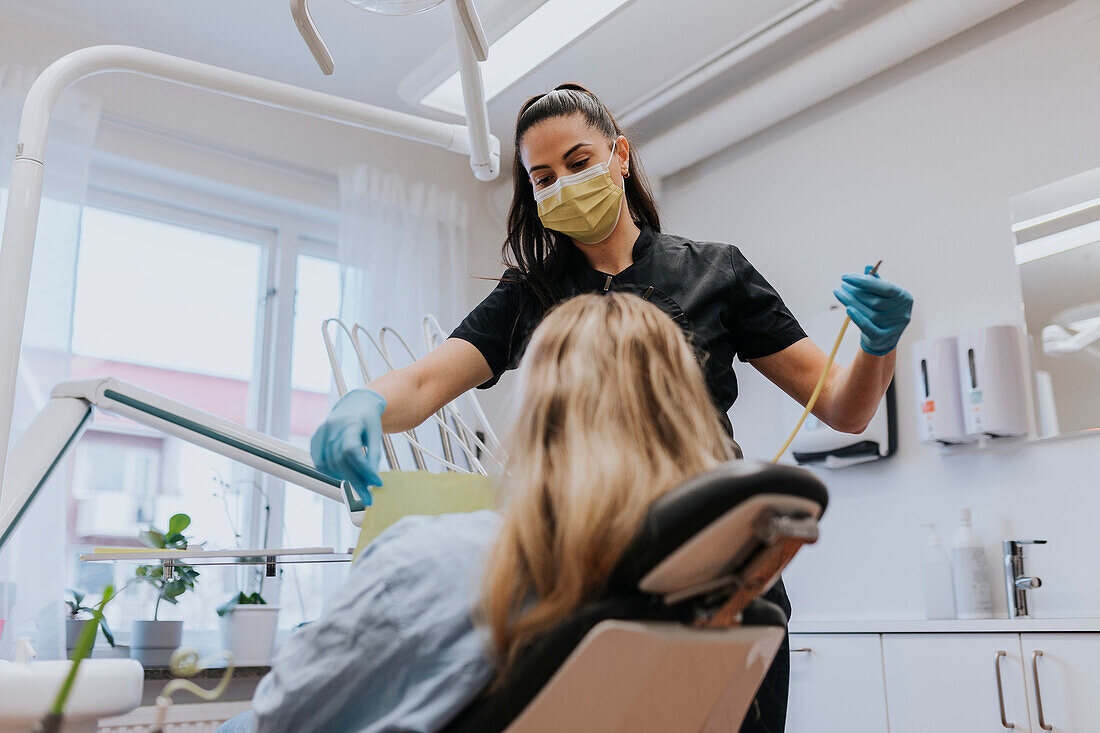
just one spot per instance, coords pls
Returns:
(942, 626)
(210, 673)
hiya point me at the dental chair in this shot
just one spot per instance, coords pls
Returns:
(679, 641)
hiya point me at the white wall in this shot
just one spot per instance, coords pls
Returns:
(917, 167)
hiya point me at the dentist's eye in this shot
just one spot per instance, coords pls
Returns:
(581, 163)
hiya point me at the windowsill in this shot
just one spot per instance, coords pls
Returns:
(210, 673)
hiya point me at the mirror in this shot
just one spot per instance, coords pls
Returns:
(1057, 248)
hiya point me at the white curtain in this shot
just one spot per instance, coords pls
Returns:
(33, 564)
(402, 250)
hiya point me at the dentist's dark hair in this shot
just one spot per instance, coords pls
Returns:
(537, 252)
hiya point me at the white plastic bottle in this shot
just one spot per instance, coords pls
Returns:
(973, 595)
(939, 589)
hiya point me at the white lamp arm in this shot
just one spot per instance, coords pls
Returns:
(308, 29)
(475, 32)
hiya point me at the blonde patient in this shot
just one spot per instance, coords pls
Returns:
(612, 412)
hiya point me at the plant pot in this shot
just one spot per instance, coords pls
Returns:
(73, 627)
(106, 651)
(152, 642)
(248, 632)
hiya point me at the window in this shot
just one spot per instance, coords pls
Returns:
(309, 520)
(116, 483)
(175, 310)
(316, 297)
(183, 287)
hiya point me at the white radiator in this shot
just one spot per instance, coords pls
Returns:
(193, 718)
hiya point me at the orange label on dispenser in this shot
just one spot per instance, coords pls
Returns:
(928, 406)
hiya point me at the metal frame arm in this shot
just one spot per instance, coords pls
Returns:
(471, 46)
(65, 417)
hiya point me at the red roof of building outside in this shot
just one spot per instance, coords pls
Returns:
(222, 396)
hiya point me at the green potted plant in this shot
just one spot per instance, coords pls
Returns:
(78, 616)
(248, 627)
(246, 621)
(153, 642)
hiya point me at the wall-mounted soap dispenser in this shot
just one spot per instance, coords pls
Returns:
(992, 382)
(939, 406)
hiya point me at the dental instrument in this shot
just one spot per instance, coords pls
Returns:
(448, 410)
(821, 380)
(445, 429)
(25, 188)
(380, 346)
(185, 663)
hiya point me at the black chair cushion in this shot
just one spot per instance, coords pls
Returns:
(685, 511)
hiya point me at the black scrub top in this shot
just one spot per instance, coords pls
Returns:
(724, 305)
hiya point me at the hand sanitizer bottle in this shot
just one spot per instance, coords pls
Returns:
(973, 596)
(939, 591)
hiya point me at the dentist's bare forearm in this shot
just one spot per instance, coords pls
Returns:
(850, 395)
(414, 392)
(855, 391)
(403, 408)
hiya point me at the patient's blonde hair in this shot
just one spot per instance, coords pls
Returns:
(613, 412)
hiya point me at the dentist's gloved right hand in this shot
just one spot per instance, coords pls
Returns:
(337, 447)
(878, 307)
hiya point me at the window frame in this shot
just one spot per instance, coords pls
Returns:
(283, 229)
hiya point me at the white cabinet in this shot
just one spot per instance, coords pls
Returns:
(1068, 670)
(947, 683)
(836, 684)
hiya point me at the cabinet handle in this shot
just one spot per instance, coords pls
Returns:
(1000, 689)
(805, 650)
(1038, 696)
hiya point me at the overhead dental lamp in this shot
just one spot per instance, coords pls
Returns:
(466, 23)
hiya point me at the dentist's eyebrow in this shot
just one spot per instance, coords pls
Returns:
(567, 154)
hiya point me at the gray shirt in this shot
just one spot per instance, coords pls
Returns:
(396, 648)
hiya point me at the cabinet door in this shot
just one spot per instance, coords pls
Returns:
(947, 683)
(836, 684)
(1068, 668)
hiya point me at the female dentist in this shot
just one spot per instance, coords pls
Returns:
(583, 220)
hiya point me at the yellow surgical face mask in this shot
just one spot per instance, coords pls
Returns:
(585, 206)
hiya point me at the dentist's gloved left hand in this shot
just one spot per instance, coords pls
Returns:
(337, 447)
(878, 307)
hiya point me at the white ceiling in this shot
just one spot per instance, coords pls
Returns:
(628, 55)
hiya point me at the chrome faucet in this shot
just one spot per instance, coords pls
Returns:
(1016, 583)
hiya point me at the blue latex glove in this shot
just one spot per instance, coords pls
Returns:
(337, 447)
(878, 307)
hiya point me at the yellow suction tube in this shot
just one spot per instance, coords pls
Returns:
(820, 382)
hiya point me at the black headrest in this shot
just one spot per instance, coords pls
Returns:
(672, 520)
(683, 512)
